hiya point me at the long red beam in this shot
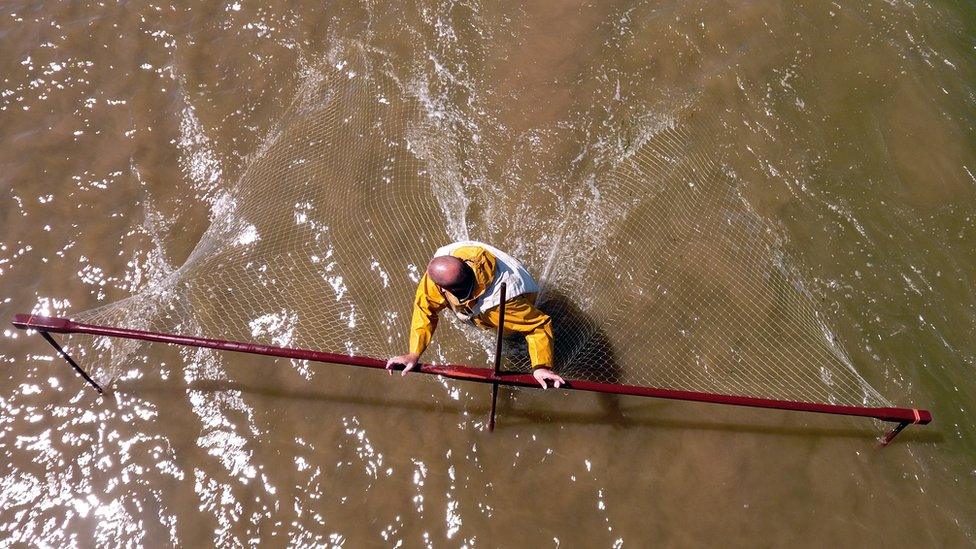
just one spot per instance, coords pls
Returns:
(468, 373)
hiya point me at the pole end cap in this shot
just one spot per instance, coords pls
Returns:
(42, 323)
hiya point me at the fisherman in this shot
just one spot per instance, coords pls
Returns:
(466, 277)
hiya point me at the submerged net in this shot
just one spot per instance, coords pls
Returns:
(656, 272)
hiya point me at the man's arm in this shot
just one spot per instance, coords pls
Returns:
(427, 303)
(523, 317)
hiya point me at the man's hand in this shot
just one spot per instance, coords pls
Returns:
(408, 360)
(542, 374)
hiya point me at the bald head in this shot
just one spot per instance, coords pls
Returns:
(452, 274)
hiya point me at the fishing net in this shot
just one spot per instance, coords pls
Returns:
(655, 271)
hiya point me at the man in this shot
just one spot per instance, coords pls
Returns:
(466, 277)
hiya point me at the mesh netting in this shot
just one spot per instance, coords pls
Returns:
(658, 273)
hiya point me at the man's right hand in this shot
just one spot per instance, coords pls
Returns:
(408, 360)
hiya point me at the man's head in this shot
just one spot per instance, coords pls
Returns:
(453, 275)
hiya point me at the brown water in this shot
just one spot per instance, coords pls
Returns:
(851, 128)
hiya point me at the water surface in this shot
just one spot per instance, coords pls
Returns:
(847, 126)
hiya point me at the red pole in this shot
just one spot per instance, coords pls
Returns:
(468, 373)
(498, 357)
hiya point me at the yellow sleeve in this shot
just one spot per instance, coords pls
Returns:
(523, 317)
(427, 302)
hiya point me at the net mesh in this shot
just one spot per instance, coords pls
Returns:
(656, 272)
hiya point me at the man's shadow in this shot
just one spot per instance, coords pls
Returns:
(582, 348)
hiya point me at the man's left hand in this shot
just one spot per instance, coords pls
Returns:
(543, 374)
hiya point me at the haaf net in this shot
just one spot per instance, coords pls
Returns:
(659, 274)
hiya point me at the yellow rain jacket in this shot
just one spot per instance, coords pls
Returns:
(521, 315)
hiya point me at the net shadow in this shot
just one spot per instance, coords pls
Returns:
(583, 349)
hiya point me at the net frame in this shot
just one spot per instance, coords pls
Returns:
(288, 265)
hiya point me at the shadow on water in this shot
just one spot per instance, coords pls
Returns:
(516, 417)
(583, 349)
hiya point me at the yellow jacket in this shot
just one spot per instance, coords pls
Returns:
(521, 315)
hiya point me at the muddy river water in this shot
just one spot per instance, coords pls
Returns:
(848, 128)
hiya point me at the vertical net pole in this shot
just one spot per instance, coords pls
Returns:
(71, 361)
(498, 358)
(890, 435)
